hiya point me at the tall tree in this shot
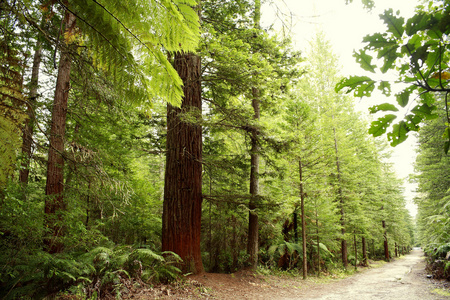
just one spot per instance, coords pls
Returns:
(253, 225)
(183, 178)
(54, 203)
(27, 135)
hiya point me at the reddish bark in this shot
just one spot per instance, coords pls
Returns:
(54, 203)
(183, 179)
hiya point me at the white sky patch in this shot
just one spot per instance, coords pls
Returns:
(345, 26)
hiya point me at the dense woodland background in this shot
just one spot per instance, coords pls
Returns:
(144, 139)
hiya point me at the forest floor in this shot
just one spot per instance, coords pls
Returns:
(404, 278)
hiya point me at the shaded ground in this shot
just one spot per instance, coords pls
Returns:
(404, 278)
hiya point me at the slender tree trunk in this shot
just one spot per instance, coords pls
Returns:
(295, 226)
(54, 203)
(253, 226)
(182, 206)
(341, 204)
(210, 219)
(318, 243)
(396, 250)
(302, 207)
(386, 244)
(364, 251)
(29, 125)
(356, 250)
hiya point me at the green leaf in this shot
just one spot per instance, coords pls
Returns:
(398, 134)
(425, 111)
(379, 127)
(389, 54)
(418, 22)
(361, 85)
(403, 97)
(377, 41)
(446, 147)
(446, 135)
(428, 98)
(413, 121)
(385, 88)
(394, 24)
(364, 60)
(382, 107)
(419, 57)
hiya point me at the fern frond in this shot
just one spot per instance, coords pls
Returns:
(128, 40)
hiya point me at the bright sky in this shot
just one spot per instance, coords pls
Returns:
(345, 26)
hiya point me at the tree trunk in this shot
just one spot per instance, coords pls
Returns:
(302, 207)
(182, 206)
(386, 245)
(356, 251)
(396, 250)
(29, 125)
(364, 251)
(341, 204)
(54, 202)
(295, 226)
(318, 243)
(253, 226)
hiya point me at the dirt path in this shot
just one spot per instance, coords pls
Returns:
(402, 279)
(405, 278)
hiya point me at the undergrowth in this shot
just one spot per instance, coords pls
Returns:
(90, 275)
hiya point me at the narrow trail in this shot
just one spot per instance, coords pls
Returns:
(402, 279)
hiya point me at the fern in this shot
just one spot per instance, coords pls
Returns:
(129, 40)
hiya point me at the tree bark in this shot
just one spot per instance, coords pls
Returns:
(302, 208)
(386, 245)
(341, 204)
(318, 242)
(253, 226)
(27, 136)
(356, 251)
(182, 206)
(396, 250)
(364, 251)
(54, 203)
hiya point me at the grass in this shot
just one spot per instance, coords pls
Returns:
(441, 292)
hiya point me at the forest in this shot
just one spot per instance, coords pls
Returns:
(146, 139)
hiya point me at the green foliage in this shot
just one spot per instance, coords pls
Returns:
(416, 51)
(433, 180)
(99, 271)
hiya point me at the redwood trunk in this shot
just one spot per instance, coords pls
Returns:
(54, 203)
(29, 125)
(183, 179)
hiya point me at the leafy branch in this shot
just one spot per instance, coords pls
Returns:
(417, 51)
